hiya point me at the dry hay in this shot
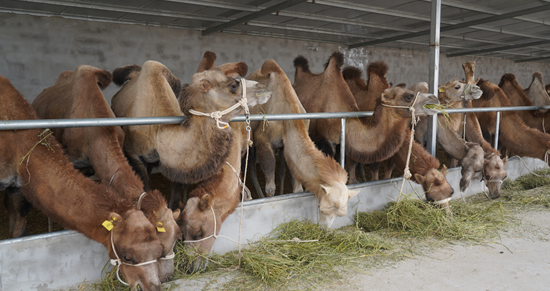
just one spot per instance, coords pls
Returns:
(401, 229)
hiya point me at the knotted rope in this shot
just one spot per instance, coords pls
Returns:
(407, 173)
(217, 115)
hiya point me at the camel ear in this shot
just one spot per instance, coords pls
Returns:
(419, 178)
(205, 202)
(204, 85)
(352, 193)
(181, 205)
(103, 78)
(505, 160)
(176, 213)
(444, 170)
(326, 189)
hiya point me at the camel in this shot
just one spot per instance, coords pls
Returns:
(320, 174)
(77, 94)
(33, 161)
(215, 198)
(537, 93)
(518, 97)
(514, 134)
(368, 140)
(196, 149)
(424, 169)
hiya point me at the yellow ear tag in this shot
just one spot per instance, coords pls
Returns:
(225, 127)
(160, 227)
(108, 224)
(441, 90)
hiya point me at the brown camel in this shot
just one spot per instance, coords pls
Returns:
(320, 174)
(368, 140)
(77, 94)
(514, 134)
(34, 161)
(517, 97)
(196, 149)
(424, 169)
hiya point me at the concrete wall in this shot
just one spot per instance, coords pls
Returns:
(34, 50)
(65, 259)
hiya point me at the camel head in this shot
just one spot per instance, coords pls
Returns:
(472, 164)
(458, 91)
(155, 208)
(494, 174)
(435, 184)
(135, 241)
(197, 222)
(401, 96)
(212, 90)
(333, 202)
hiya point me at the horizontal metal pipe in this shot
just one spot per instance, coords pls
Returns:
(128, 121)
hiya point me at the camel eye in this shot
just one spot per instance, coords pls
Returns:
(409, 97)
(198, 235)
(457, 87)
(233, 88)
(437, 183)
(127, 259)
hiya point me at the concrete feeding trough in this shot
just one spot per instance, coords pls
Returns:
(66, 259)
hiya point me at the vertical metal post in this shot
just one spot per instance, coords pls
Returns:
(497, 130)
(434, 70)
(342, 142)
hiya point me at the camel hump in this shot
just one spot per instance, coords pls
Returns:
(537, 75)
(234, 69)
(103, 78)
(507, 77)
(379, 68)
(270, 66)
(207, 62)
(123, 74)
(351, 73)
(302, 63)
(337, 58)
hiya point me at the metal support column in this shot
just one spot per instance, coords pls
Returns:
(497, 130)
(342, 142)
(434, 70)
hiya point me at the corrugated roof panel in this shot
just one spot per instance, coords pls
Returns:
(127, 3)
(149, 18)
(340, 13)
(307, 22)
(173, 6)
(191, 23)
(29, 6)
(417, 7)
(309, 8)
(211, 11)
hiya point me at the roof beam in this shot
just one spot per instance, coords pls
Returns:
(252, 16)
(533, 59)
(458, 26)
(496, 49)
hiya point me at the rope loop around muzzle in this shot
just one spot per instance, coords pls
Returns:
(217, 115)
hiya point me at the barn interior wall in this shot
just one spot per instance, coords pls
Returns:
(34, 50)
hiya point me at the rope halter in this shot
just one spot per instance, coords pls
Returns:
(467, 90)
(410, 108)
(246, 190)
(214, 235)
(118, 262)
(217, 115)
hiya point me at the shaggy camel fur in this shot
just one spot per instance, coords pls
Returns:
(196, 149)
(517, 137)
(320, 174)
(368, 140)
(517, 97)
(214, 198)
(424, 169)
(77, 94)
(34, 161)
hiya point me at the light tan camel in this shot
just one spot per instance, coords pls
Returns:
(34, 161)
(517, 137)
(370, 139)
(537, 93)
(320, 174)
(77, 94)
(196, 149)
(517, 97)
(214, 198)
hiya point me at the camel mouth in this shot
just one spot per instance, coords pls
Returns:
(430, 107)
